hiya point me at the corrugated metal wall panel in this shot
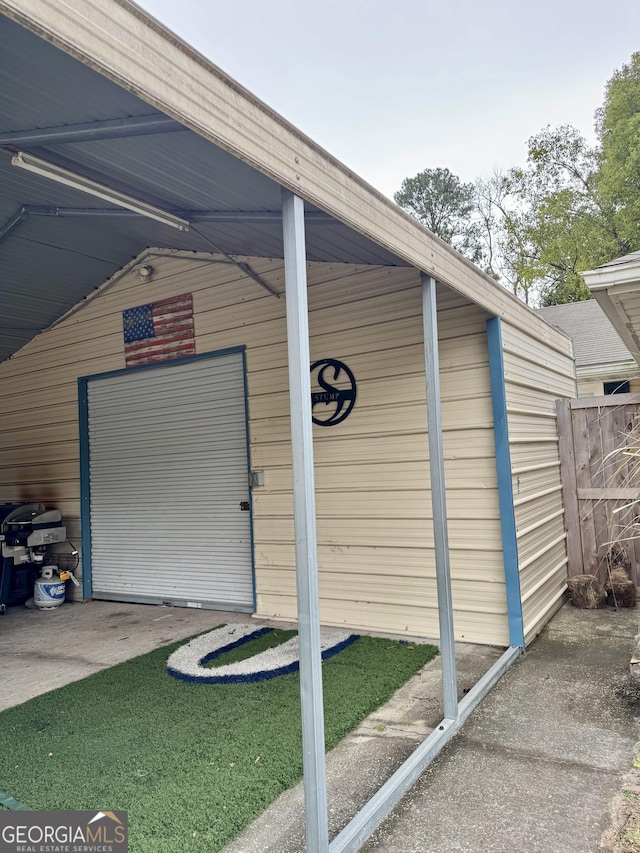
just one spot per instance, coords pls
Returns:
(467, 444)
(369, 559)
(536, 375)
(537, 482)
(522, 371)
(168, 470)
(372, 504)
(547, 600)
(556, 555)
(531, 425)
(474, 534)
(526, 399)
(530, 456)
(537, 352)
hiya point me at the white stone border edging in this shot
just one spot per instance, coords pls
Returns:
(188, 662)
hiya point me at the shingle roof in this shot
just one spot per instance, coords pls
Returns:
(631, 258)
(595, 341)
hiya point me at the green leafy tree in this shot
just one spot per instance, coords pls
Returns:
(581, 205)
(445, 205)
(508, 256)
(560, 224)
(618, 127)
(571, 208)
(563, 221)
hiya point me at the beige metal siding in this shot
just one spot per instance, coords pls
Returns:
(595, 388)
(374, 529)
(535, 376)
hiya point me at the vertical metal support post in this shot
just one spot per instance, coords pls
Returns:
(438, 498)
(315, 786)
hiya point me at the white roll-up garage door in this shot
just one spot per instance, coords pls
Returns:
(169, 485)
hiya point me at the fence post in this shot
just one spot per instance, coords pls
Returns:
(569, 487)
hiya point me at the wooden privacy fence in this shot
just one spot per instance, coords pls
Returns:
(600, 465)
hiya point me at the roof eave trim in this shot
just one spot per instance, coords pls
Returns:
(624, 277)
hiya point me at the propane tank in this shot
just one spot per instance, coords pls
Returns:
(50, 589)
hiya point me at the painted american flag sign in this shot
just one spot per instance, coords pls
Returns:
(159, 331)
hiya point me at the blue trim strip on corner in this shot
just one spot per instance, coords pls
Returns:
(505, 483)
(85, 486)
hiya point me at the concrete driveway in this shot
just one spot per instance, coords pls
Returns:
(535, 768)
(44, 649)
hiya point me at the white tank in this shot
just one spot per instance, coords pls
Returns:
(49, 591)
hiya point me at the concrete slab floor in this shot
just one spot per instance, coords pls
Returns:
(44, 649)
(539, 762)
(368, 756)
(535, 767)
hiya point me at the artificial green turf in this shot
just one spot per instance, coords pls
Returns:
(267, 641)
(193, 764)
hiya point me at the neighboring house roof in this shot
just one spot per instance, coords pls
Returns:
(595, 341)
(631, 258)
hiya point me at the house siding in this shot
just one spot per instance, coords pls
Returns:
(375, 542)
(536, 374)
(595, 387)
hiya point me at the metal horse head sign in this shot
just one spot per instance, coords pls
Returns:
(334, 402)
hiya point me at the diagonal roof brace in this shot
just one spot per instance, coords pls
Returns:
(25, 211)
(13, 222)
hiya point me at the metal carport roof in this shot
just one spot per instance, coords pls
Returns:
(57, 244)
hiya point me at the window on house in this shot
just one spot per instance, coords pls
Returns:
(616, 387)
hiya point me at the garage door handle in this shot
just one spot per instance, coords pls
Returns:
(244, 506)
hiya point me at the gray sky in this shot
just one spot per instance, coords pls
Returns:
(392, 87)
